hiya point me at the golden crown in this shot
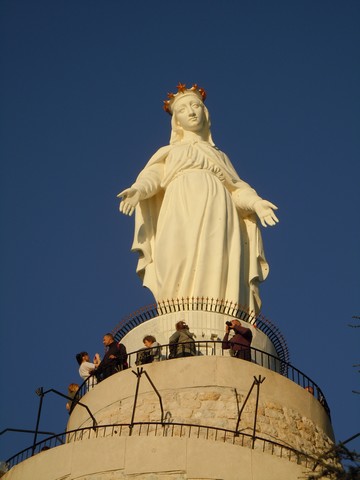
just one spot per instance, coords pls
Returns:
(181, 92)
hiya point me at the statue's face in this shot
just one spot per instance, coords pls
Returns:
(189, 113)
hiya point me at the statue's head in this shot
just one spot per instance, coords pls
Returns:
(188, 113)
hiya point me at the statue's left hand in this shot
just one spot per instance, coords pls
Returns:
(265, 211)
(130, 198)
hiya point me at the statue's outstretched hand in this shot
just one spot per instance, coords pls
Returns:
(130, 198)
(265, 211)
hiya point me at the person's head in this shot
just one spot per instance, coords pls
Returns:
(235, 323)
(108, 339)
(181, 325)
(148, 340)
(310, 389)
(73, 387)
(82, 357)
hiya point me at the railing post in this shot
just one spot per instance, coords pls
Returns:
(258, 382)
(158, 395)
(242, 408)
(40, 392)
(138, 374)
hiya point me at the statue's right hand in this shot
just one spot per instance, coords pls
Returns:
(130, 198)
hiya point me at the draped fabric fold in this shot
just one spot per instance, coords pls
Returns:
(194, 230)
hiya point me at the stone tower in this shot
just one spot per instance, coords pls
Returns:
(209, 416)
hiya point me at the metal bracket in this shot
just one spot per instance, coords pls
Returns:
(139, 372)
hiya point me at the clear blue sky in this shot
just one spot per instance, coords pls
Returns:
(81, 90)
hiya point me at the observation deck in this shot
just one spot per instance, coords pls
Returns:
(214, 402)
(262, 411)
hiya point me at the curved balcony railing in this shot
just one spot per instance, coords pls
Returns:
(211, 348)
(157, 429)
(203, 348)
(230, 309)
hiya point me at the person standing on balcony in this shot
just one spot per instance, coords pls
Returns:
(182, 343)
(239, 343)
(72, 389)
(115, 358)
(151, 352)
(153, 347)
(86, 368)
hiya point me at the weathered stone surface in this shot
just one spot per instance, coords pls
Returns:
(217, 407)
(210, 392)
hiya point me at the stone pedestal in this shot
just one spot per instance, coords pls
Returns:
(204, 417)
(209, 391)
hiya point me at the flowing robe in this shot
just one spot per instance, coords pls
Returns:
(195, 230)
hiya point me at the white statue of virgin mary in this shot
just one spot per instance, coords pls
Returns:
(196, 221)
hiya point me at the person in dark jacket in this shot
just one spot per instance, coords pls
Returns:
(114, 359)
(239, 343)
(182, 343)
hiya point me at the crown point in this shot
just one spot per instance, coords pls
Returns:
(166, 105)
(202, 93)
(181, 87)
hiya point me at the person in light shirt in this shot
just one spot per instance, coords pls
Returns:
(87, 368)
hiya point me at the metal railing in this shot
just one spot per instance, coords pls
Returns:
(169, 430)
(211, 348)
(224, 307)
(203, 348)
